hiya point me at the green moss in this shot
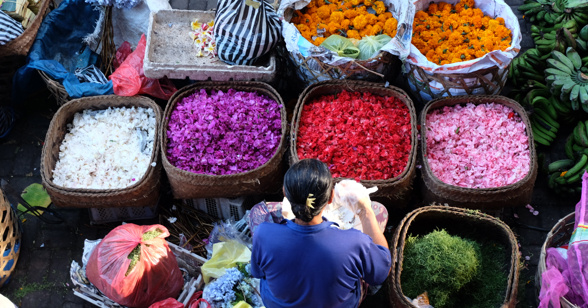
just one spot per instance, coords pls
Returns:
(485, 289)
(135, 254)
(440, 264)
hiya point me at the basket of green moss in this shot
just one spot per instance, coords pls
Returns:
(459, 257)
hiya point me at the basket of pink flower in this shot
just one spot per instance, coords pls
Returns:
(477, 152)
(224, 139)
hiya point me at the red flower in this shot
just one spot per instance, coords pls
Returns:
(359, 135)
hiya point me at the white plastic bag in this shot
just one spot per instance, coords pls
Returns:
(492, 8)
(129, 25)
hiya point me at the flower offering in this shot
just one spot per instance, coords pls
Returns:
(223, 132)
(106, 149)
(203, 36)
(448, 33)
(353, 19)
(480, 146)
(359, 135)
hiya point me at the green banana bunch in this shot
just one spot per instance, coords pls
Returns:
(569, 11)
(558, 40)
(539, 12)
(568, 181)
(566, 174)
(582, 41)
(528, 67)
(566, 79)
(544, 122)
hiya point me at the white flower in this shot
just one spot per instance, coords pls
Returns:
(106, 149)
(172, 219)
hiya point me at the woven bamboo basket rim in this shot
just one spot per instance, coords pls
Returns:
(477, 100)
(22, 44)
(565, 226)
(80, 104)
(246, 86)
(355, 85)
(56, 88)
(399, 238)
(13, 224)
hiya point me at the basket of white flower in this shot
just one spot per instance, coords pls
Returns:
(102, 152)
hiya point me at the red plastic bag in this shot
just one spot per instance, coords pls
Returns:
(168, 303)
(155, 277)
(129, 79)
(121, 54)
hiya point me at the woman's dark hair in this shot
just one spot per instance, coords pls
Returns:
(308, 176)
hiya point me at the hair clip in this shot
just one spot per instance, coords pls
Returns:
(310, 201)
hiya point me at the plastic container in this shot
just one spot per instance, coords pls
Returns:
(223, 208)
(170, 52)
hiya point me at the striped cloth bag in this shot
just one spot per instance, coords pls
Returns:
(245, 30)
(9, 28)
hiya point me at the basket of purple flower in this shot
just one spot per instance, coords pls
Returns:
(224, 139)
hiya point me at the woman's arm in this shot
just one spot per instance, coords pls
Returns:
(369, 223)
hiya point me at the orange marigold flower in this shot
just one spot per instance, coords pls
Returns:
(353, 34)
(371, 19)
(324, 12)
(500, 20)
(368, 2)
(359, 22)
(337, 17)
(333, 28)
(350, 14)
(356, 2)
(379, 7)
(376, 30)
(390, 27)
(319, 40)
(345, 24)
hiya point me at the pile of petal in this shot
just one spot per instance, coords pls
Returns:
(203, 36)
(480, 146)
(223, 133)
(359, 135)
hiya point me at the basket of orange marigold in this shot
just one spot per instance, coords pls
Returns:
(379, 31)
(461, 47)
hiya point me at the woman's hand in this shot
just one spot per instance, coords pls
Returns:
(369, 222)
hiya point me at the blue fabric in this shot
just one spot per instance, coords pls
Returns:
(315, 266)
(58, 50)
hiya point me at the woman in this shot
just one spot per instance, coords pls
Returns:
(308, 261)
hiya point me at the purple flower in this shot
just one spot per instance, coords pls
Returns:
(223, 133)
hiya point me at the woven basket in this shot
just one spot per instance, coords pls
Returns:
(265, 179)
(10, 240)
(488, 81)
(559, 235)
(516, 194)
(21, 45)
(56, 88)
(144, 193)
(399, 187)
(379, 68)
(455, 221)
(107, 54)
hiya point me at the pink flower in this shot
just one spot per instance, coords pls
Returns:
(480, 146)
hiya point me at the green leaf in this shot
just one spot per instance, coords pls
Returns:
(35, 195)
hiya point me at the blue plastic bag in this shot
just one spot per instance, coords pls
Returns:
(58, 50)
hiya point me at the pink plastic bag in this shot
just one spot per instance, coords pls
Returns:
(168, 303)
(567, 267)
(154, 278)
(129, 78)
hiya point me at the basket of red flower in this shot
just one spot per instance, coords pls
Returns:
(362, 130)
(224, 139)
(477, 152)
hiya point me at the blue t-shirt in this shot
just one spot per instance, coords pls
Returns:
(315, 266)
